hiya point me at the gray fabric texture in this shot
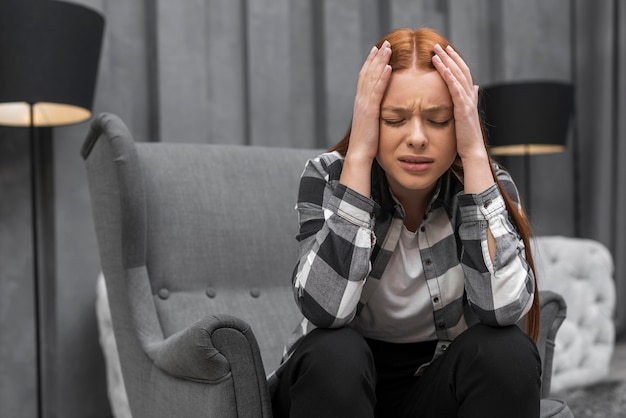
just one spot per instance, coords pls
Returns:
(553, 408)
(553, 312)
(187, 232)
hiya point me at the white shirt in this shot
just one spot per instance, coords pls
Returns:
(400, 310)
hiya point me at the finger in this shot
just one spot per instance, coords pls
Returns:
(380, 61)
(451, 63)
(460, 62)
(368, 62)
(381, 85)
(462, 97)
(374, 65)
(459, 91)
(459, 69)
(375, 76)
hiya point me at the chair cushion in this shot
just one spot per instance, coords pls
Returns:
(553, 408)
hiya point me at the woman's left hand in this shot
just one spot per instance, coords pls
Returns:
(470, 146)
(464, 95)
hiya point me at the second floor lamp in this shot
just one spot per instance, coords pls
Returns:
(527, 118)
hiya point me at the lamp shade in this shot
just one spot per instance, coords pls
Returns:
(49, 55)
(527, 118)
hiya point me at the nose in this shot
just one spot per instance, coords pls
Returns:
(416, 137)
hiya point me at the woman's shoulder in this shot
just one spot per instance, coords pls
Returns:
(327, 165)
(328, 158)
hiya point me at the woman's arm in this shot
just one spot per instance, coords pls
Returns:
(336, 216)
(469, 136)
(500, 288)
(336, 242)
(499, 281)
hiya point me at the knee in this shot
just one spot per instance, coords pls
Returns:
(499, 368)
(337, 354)
(333, 363)
(506, 351)
(331, 373)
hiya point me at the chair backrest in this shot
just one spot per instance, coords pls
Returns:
(581, 271)
(213, 225)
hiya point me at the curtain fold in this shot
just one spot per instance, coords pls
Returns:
(600, 140)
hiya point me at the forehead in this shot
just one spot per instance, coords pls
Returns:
(416, 88)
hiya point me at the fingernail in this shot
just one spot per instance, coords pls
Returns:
(438, 48)
(449, 48)
(373, 49)
(437, 59)
(386, 43)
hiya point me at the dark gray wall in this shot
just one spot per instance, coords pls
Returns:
(17, 323)
(262, 72)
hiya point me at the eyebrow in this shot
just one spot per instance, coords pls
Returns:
(437, 109)
(396, 109)
(432, 109)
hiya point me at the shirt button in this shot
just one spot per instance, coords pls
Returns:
(164, 294)
(444, 347)
(423, 229)
(441, 325)
(436, 299)
(486, 204)
(428, 261)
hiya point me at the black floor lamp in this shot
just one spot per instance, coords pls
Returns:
(49, 54)
(527, 118)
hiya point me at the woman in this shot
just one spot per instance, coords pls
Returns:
(413, 267)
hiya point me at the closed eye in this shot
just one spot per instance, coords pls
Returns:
(440, 123)
(394, 122)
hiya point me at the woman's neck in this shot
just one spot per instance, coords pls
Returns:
(415, 205)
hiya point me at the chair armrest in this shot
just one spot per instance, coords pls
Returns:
(553, 312)
(191, 354)
(214, 349)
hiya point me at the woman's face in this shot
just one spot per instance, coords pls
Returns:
(417, 142)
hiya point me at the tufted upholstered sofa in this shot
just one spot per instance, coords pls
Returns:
(197, 248)
(580, 270)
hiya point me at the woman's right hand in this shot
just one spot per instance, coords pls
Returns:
(373, 79)
(371, 86)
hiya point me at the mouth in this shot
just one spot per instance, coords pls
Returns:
(415, 163)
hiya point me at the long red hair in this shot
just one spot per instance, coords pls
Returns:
(415, 49)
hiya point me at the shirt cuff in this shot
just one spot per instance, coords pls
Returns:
(353, 206)
(482, 206)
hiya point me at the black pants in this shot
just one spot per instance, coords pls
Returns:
(485, 372)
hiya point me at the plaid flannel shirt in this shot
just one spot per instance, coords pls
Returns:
(346, 241)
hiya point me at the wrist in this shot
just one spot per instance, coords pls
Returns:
(356, 173)
(477, 173)
(360, 154)
(476, 155)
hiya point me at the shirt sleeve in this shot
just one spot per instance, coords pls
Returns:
(501, 291)
(335, 244)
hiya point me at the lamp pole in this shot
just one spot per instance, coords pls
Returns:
(527, 181)
(44, 265)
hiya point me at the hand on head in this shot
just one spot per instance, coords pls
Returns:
(413, 51)
(372, 83)
(464, 94)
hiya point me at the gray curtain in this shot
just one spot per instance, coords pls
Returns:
(600, 140)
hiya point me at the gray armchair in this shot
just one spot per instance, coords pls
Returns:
(197, 248)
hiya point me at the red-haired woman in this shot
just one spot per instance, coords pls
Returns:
(413, 267)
